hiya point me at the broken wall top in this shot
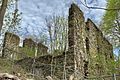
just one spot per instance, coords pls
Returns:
(29, 43)
(11, 38)
(90, 24)
(74, 8)
(41, 45)
(75, 13)
(11, 35)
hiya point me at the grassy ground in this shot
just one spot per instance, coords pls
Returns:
(7, 66)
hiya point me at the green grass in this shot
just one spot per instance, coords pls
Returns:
(7, 66)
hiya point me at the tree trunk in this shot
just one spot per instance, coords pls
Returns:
(2, 12)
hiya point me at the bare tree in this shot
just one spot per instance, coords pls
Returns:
(49, 27)
(57, 29)
(94, 7)
(2, 12)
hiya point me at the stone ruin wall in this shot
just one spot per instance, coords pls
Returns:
(76, 38)
(42, 49)
(35, 47)
(85, 41)
(97, 42)
(11, 42)
(98, 45)
(11, 47)
(29, 47)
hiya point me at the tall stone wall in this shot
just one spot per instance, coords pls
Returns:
(86, 44)
(92, 37)
(10, 45)
(92, 47)
(98, 47)
(76, 38)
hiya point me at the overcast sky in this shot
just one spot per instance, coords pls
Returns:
(35, 11)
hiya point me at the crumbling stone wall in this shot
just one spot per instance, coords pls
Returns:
(42, 49)
(34, 48)
(85, 41)
(11, 44)
(98, 47)
(93, 46)
(29, 47)
(76, 38)
(11, 47)
(46, 66)
(29, 43)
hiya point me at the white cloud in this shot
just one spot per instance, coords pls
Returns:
(35, 11)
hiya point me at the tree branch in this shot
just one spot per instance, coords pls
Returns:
(89, 7)
(2, 12)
